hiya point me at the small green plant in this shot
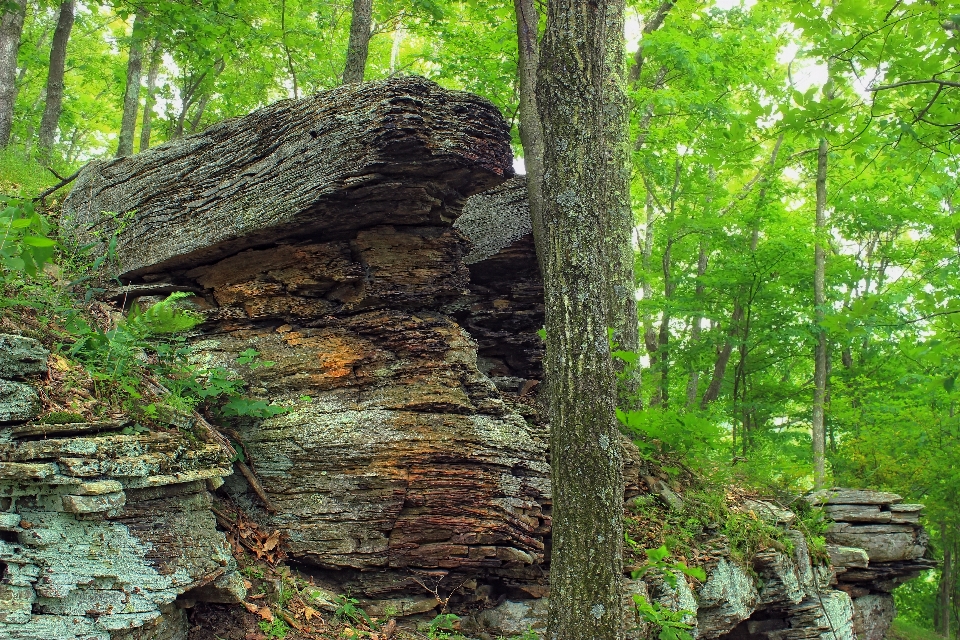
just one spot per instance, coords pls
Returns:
(348, 610)
(670, 624)
(275, 628)
(444, 627)
(658, 561)
(24, 245)
(253, 571)
(529, 634)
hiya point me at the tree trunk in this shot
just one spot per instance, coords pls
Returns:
(146, 127)
(50, 121)
(11, 26)
(286, 49)
(587, 218)
(359, 43)
(819, 300)
(531, 129)
(693, 382)
(131, 95)
(723, 357)
(946, 584)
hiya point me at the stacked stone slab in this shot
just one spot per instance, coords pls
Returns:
(100, 532)
(875, 545)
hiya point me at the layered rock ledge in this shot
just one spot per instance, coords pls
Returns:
(101, 533)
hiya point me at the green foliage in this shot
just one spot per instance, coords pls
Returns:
(348, 610)
(275, 628)
(902, 630)
(917, 600)
(657, 561)
(443, 627)
(24, 243)
(669, 624)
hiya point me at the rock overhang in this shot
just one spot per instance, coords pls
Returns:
(401, 151)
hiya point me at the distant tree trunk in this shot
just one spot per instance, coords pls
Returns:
(359, 44)
(286, 48)
(587, 218)
(50, 121)
(11, 27)
(723, 357)
(131, 95)
(156, 55)
(693, 382)
(531, 129)
(819, 300)
(946, 584)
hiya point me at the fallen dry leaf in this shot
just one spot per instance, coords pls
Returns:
(252, 608)
(265, 613)
(270, 543)
(390, 629)
(309, 612)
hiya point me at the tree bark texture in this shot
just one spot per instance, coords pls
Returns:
(50, 121)
(11, 27)
(357, 47)
(400, 151)
(587, 218)
(146, 127)
(819, 300)
(131, 95)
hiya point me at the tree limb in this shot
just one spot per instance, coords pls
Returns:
(904, 83)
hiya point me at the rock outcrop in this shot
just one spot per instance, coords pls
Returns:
(101, 532)
(875, 545)
(333, 237)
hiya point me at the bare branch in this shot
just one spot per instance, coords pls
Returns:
(904, 83)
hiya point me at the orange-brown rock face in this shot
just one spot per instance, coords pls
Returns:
(398, 452)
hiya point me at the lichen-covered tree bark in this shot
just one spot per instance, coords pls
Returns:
(359, 41)
(131, 95)
(58, 56)
(11, 26)
(586, 215)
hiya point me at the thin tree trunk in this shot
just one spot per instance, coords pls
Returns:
(819, 300)
(146, 127)
(946, 584)
(72, 149)
(585, 194)
(50, 121)
(11, 28)
(531, 129)
(693, 382)
(395, 50)
(131, 95)
(649, 338)
(723, 357)
(359, 44)
(22, 73)
(654, 23)
(286, 47)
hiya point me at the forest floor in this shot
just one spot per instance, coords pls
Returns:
(906, 631)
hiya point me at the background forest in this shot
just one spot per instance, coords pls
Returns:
(795, 182)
